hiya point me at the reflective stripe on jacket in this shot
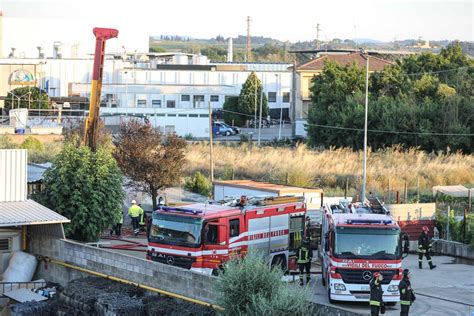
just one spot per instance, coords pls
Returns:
(375, 292)
(304, 255)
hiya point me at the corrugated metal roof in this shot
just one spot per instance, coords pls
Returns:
(28, 213)
(35, 171)
(13, 175)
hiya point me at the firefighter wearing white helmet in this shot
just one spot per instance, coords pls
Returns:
(135, 212)
(424, 248)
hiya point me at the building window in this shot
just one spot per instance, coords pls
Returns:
(5, 244)
(193, 115)
(286, 97)
(234, 227)
(156, 103)
(170, 103)
(198, 101)
(185, 98)
(182, 115)
(214, 98)
(141, 102)
(272, 97)
(169, 129)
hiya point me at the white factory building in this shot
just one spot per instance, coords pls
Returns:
(152, 84)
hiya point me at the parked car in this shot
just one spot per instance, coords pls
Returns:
(219, 128)
(236, 130)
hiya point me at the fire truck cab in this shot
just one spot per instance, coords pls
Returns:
(201, 237)
(358, 240)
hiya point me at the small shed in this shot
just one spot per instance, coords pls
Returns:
(21, 218)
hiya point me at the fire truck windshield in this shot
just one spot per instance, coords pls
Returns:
(368, 243)
(176, 230)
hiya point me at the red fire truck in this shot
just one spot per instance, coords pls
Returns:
(358, 240)
(201, 237)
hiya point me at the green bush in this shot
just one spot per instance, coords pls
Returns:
(198, 183)
(32, 144)
(249, 287)
(7, 143)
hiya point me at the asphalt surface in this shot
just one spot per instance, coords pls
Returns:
(268, 133)
(446, 290)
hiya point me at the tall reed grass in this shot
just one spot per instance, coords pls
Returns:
(330, 168)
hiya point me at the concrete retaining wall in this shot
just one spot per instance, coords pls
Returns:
(453, 248)
(138, 270)
(161, 276)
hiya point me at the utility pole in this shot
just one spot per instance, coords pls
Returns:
(293, 100)
(248, 56)
(211, 174)
(317, 45)
(260, 119)
(281, 108)
(255, 116)
(364, 180)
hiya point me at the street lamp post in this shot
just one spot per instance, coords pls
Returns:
(364, 172)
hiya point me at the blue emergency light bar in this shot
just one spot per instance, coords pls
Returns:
(183, 210)
(368, 221)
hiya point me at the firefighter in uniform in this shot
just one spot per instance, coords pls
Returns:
(424, 248)
(407, 297)
(304, 256)
(376, 295)
(135, 211)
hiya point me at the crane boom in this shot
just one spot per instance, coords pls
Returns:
(92, 121)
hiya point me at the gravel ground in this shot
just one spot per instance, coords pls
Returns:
(97, 296)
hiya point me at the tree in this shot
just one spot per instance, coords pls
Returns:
(231, 112)
(250, 92)
(27, 97)
(86, 187)
(330, 96)
(151, 160)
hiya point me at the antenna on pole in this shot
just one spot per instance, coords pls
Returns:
(317, 44)
(248, 55)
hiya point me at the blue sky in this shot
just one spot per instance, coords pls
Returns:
(49, 20)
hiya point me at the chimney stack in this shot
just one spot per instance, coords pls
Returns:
(40, 52)
(12, 53)
(230, 53)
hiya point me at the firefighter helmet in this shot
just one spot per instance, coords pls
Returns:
(134, 202)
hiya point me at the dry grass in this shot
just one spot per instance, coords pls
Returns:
(331, 168)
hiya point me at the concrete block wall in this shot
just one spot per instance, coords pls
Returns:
(161, 276)
(453, 248)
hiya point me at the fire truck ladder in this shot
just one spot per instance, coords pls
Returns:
(274, 200)
(377, 206)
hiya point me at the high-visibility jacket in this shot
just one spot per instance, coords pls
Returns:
(406, 293)
(304, 255)
(424, 243)
(376, 293)
(135, 210)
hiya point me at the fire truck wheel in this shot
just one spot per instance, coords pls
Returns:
(216, 272)
(323, 280)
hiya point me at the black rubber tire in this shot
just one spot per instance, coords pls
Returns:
(280, 260)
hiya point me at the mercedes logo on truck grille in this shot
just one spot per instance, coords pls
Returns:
(367, 275)
(170, 260)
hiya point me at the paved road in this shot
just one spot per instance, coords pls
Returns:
(450, 281)
(269, 133)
